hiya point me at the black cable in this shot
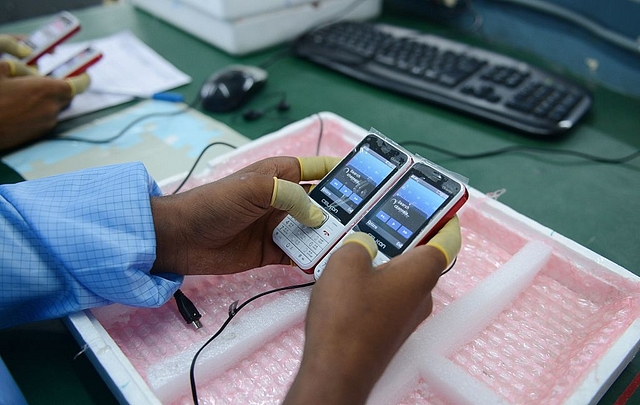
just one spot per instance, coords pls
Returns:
(455, 260)
(520, 148)
(187, 309)
(193, 167)
(337, 16)
(283, 53)
(320, 134)
(124, 130)
(233, 311)
(578, 19)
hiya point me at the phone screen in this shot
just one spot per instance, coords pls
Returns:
(397, 219)
(351, 184)
(55, 29)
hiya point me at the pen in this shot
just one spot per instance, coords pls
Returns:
(163, 96)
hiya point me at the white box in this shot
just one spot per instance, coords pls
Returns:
(234, 9)
(213, 22)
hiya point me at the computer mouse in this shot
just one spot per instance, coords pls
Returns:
(229, 88)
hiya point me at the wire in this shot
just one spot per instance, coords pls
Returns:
(193, 167)
(124, 130)
(281, 54)
(581, 21)
(233, 311)
(478, 19)
(339, 15)
(285, 52)
(519, 148)
(320, 134)
(455, 260)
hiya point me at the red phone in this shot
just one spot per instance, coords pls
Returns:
(411, 213)
(47, 37)
(77, 64)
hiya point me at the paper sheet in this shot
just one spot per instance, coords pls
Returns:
(147, 72)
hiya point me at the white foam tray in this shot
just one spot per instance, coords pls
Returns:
(257, 31)
(430, 354)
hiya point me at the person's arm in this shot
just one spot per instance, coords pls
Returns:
(103, 235)
(77, 241)
(359, 316)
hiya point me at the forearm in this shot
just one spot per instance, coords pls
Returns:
(170, 240)
(358, 318)
(77, 241)
(329, 380)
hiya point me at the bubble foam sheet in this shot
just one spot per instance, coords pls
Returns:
(525, 317)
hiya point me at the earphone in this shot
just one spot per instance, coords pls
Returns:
(254, 114)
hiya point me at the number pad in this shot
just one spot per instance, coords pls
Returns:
(304, 245)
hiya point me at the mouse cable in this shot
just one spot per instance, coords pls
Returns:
(124, 130)
(234, 308)
(340, 15)
(281, 54)
(193, 167)
(520, 148)
(320, 134)
(287, 51)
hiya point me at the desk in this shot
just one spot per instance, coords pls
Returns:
(596, 205)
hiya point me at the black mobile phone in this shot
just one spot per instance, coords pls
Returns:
(410, 213)
(344, 193)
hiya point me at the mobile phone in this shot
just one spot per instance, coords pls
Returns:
(77, 64)
(349, 189)
(47, 37)
(410, 213)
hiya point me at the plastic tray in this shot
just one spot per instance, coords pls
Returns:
(526, 316)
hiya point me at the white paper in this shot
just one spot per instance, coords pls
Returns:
(128, 68)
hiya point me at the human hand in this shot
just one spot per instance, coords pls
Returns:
(226, 226)
(359, 317)
(30, 103)
(12, 45)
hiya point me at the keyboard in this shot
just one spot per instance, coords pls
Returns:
(484, 84)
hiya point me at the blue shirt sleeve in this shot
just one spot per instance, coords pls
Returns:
(79, 240)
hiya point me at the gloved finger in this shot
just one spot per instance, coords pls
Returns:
(448, 240)
(10, 44)
(78, 83)
(365, 241)
(292, 198)
(316, 167)
(13, 68)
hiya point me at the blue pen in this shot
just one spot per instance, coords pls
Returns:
(164, 96)
(169, 96)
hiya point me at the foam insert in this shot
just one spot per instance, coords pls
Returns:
(525, 316)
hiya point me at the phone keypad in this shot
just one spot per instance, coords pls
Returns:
(304, 244)
(317, 272)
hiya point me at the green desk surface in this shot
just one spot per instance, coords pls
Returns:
(596, 205)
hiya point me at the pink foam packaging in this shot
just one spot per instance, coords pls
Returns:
(526, 316)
